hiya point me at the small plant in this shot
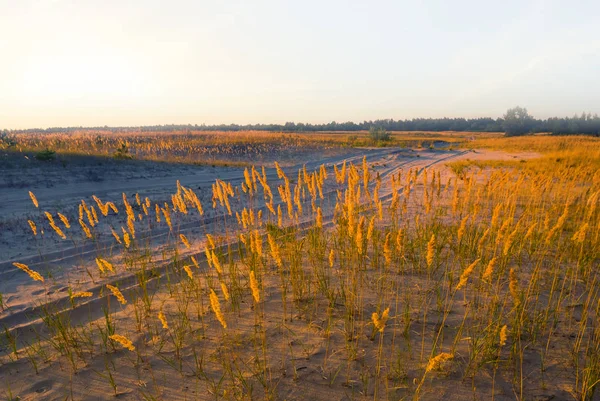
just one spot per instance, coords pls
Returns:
(122, 153)
(46, 155)
(379, 134)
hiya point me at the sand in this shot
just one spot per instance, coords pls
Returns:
(310, 375)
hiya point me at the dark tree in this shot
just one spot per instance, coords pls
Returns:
(517, 121)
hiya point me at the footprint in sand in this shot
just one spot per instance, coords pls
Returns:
(42, 386)
(56, 289)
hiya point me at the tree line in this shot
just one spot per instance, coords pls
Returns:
(516, 121)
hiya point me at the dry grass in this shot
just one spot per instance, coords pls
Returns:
(217, 148)
(334, 282)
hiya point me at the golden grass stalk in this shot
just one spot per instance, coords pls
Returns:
(88, 213)
(258, 247)
(274, 250)
(86, 229)
(509, 241)
(464, 277)
(579, 236)
(436, 362)
(114, 233)
(210, 240)
(112, 207)
(489, 270)
(34, 199)
(33, 227)
(503, 335)
(370, 229)
(163, 320)
(126, 239)
(430, 250)
(495, 215)
(387, 249)
(359, 235)
(209, 257)
(124, 341)
(188, 271)
(157, 212)
(184, 240)
(379, 322)
(216, 307)
(216, 263)
(319, 219)
(54, 226)
(103, 207)
(559, 224)
(94, 214)
(128, 208)
(399, 239)
(117, 293)
(462, 227)
(33, 274)
(104, 265)
(254, 287)
(167, 215)
(530, 231)
(131, 227)
(225, 291)
(482, 239)
(64, 220)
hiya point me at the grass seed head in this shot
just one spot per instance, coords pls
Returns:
(163, 320)
(34, 199)
(436, 362)
(216, 307)
(254, 287)
(33, 274)
(124, 341)
(117, 293)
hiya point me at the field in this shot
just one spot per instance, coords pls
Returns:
(253, 265)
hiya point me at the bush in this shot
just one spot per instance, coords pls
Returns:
(46, 155)
(379, 134)
(122, 153)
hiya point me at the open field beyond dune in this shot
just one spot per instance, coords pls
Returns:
(195, 266)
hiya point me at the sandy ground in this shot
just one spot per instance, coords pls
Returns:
(61, 187)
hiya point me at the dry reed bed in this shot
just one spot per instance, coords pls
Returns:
(241, 148)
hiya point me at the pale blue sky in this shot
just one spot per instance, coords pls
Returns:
(116, 62)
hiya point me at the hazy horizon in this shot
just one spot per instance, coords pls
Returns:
(97, 63)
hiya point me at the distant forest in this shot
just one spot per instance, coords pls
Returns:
(518, 117)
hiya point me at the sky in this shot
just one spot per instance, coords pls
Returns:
(146, 62)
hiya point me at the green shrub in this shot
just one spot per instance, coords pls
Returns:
(46, 155)
(379, 134)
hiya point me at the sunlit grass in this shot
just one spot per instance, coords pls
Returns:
(390, 286)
